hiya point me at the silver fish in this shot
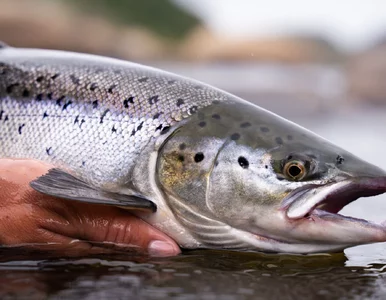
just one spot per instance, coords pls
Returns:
(205, 167)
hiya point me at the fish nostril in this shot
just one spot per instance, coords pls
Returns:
(339, 159)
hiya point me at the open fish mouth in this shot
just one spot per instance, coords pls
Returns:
(331, 197)
(313, 212)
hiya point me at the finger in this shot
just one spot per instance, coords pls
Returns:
(115, 228)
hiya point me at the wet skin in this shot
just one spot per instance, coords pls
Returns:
(67, 227)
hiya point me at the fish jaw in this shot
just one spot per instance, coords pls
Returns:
(312, 216)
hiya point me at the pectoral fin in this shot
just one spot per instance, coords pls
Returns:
(60, 184)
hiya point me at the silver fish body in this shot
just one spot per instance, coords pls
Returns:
(222, 173)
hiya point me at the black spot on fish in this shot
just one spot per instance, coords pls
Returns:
(111, 88)
(6, 118)
(74, 79)
(193, 109)
(39, 79)
(215, 102)
(81, 123)
(113, 129)
(26, 93)
(83, 163)
(153, 99)
(48, 151)
(39, 97)
(53, 77)
(182, 147)
(181, 158)
(1, 114)
(266, 166)
(264, 129)
(10, 88)
(243, 162)
(45, 115)
(143, 79)
(245, 125)
(290, 137)
(171, 81)
(235, 136)
(132, 132)
(279, 140)
(20, 128)
(59, 100)
(165, 129)
(93, 86)
(66, 105)
(339, 159)
(199, 157)
(202, 124)
(95, 104)
(159, 127)
(104, 115)
(76, 119)
(49, 96)
(216, 116)
(127, 101)
(140, 126)
(180, 102)
(157, 115)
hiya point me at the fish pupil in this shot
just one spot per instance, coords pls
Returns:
(294, 171)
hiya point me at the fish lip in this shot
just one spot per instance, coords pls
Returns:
(330, 197)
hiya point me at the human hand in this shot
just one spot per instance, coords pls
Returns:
(70, 228)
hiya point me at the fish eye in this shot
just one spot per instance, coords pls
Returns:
(295, 170)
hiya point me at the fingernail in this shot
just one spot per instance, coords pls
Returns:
(161, 248)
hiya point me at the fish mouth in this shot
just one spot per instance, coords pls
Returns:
(312, 212)
(331, 197)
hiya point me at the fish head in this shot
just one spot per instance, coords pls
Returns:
(274, 184)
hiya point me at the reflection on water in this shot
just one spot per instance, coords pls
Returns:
(357, 274)
(193, 275)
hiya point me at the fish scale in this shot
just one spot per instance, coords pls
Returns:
(89, 113)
